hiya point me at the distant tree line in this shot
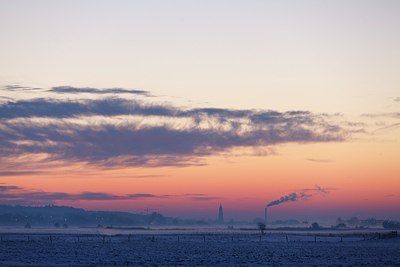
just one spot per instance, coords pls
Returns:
(391, 225)
(59, 216)
(62, 216)
(356, 222)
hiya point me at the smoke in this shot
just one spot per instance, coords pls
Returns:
(289, 198)
(321, 190)
(304, 194)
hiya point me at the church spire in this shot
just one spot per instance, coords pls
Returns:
(220, 214)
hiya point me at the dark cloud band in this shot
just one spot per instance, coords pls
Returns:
(47, 127)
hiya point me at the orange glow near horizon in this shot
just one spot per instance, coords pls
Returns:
(362, 181)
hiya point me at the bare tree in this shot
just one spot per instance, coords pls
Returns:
(315, 226)
(262, 227)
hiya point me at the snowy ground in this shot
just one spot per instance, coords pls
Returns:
(204, 248)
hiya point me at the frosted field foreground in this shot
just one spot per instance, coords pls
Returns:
(170, 248)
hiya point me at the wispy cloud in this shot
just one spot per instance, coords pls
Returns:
(16, 87)
(384, 121)
(133, 196)
(18, 173)
(142, 176)
(392, 196)
(201, 197)
(89, 90)
(19, 195)
(387, 127)
(205, 198)
(395, 115)
(320, 160)
(4, 188)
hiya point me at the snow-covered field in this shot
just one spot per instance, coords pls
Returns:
(191, 248)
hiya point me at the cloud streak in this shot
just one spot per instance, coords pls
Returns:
(201, 197)
(89, 90)
(388, 127)
(320, 160)
(4, 188)
(19, 195)
(16, 87)
(395, 115)
(18, 173)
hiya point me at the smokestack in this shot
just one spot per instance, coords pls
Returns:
(265, 216)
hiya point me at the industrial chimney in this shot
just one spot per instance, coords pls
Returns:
(265, 216)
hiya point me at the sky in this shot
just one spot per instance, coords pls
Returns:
(178, 106)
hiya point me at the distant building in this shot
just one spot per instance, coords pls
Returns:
(220, 214)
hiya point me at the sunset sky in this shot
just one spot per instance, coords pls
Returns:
(178, 106)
